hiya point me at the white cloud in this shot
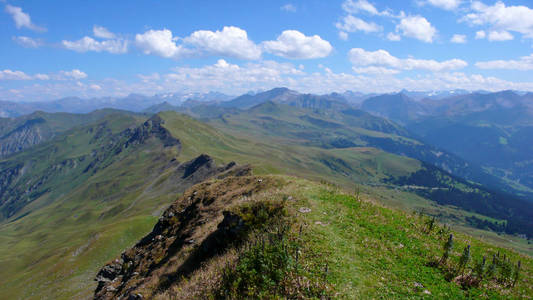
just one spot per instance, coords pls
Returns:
(502, 18)
(352, 24)
(95, 87)
(294, 44)
(102, 32)
(500, 36)
(394, 37)
(381, 58)
(42, 76)
(445, 4)
(494, 36)
(231, 41)
(22, 19)
(354, 7)
(148, 78)
(159, 42)
(232, 78)
(458, 39)
(343, 35)
(417, 27)
(74, 74)
(14, 75)
(28, 42)
(236, 79)
(375, 70)
(62, 75)
(86, 44)
(525, 63)
(288, 7)
(481, 35)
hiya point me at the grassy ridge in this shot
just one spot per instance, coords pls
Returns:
(344, 245)
(374, 251)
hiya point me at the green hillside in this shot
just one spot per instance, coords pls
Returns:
(98, 188)
(292, 238)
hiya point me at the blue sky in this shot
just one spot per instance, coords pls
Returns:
(54, 49)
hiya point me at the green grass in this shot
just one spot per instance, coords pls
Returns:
(374, 251)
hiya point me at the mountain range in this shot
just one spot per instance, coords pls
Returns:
(92, 192)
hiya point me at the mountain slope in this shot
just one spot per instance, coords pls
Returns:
(17, 134)
(490, 130)
(397, 107)
(345, 129)
(282, 237)
(93, 192)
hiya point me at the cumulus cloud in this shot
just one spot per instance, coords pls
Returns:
(343, 35)
(87, 44)
(500, 36)
(501, 18)
(237, 79)
(458, 39)
(352, 24)
(22, 19)
(28, 42)
(417, 27)
(481, 35)
(13, 75)
(149, 78)
(354, 7)
(159, 42)
(231, 41)
(227, 77)
(74, 74)
(381, 58)
(525, 63)
(62, 75)
(494, 36)
(294, 44)
(288, 7)
(444, 4)
(375, 70)
(42, 76)
(95, 87)
(394, 37)
(102, 32)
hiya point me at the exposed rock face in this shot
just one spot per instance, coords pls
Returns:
(14, 195)
(151, 128)
(194, 229)
(31, 133)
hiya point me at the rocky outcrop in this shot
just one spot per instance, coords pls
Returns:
(108, 149)
(31, 133)
(193, 230)
(153, 127)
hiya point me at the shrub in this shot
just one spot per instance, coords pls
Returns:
(269, 268)
(465, 258)
(479, 268)
(448, 246)
(516, 273)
